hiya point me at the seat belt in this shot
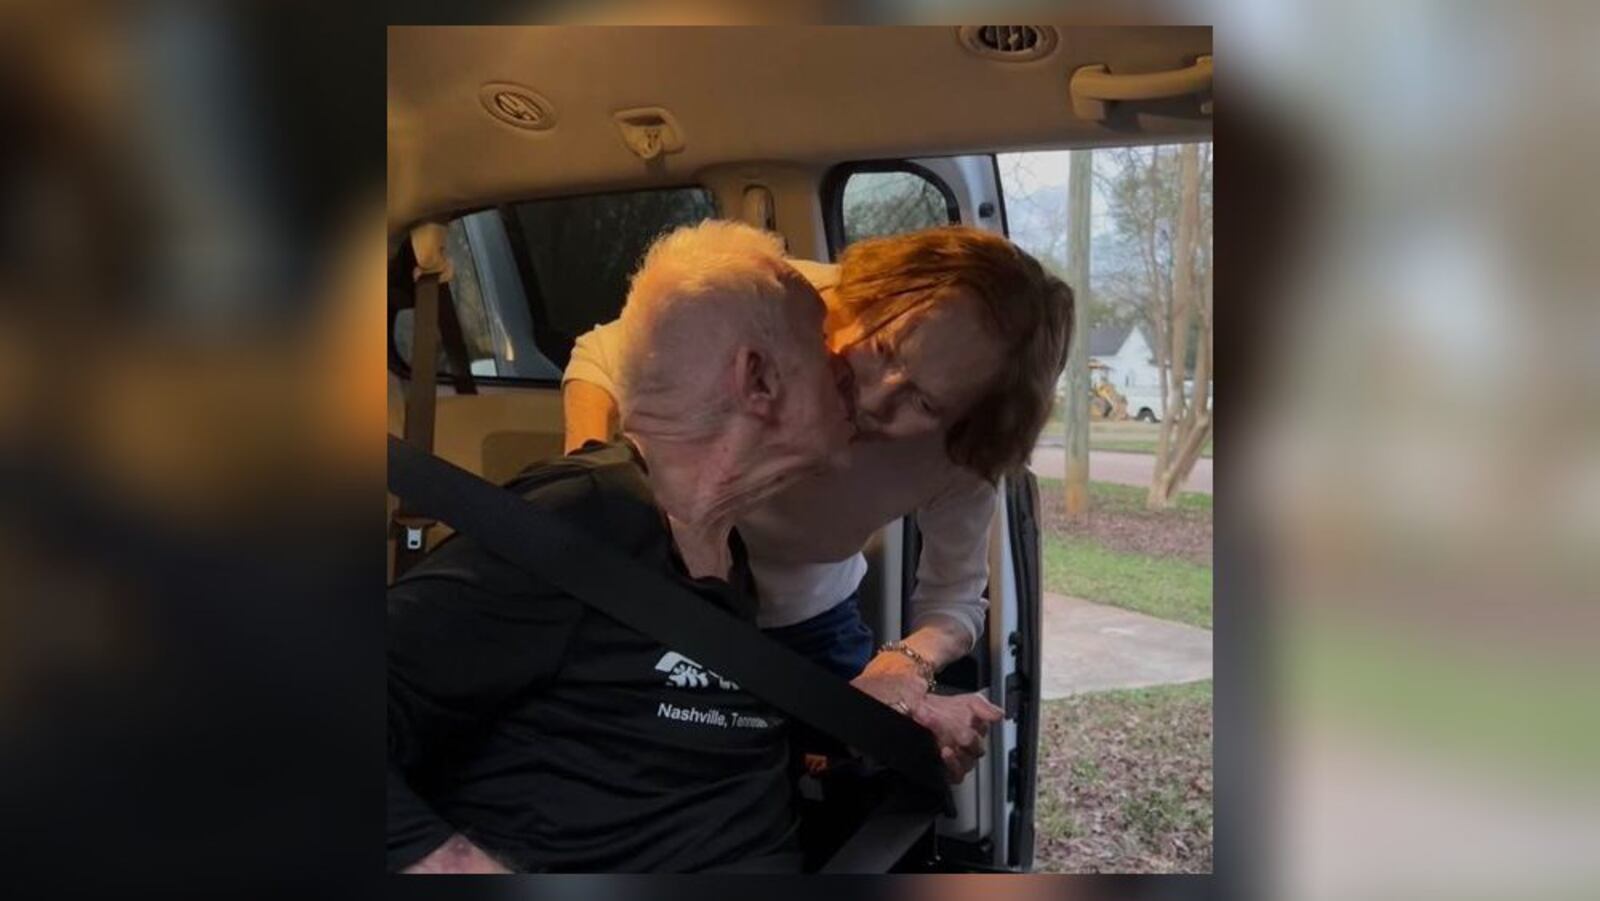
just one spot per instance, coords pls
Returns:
(620, 587)
(884, 837)
(427, 243)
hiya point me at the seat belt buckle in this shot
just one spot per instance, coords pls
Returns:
(414, 530)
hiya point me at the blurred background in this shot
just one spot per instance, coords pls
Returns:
(191, 395)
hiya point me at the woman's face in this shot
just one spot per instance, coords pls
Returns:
(921, 372)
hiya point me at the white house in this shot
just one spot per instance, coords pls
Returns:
(1130, 367)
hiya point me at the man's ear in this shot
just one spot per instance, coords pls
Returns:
(756, 382)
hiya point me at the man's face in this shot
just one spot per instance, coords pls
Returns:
(816, 419)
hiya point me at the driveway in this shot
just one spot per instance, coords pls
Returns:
(1121, 468)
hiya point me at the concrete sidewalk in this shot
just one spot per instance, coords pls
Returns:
(1093, 647)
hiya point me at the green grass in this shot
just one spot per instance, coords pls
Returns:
(1150, 700)
(1125, 781)
(1152, 810)
(1052, 818)
(1126, 498)
(1129, 436)
(1086, 772)
(1155, 812)
(1170, 589)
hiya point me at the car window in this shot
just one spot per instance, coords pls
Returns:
(579, 253)
(466, 292)
(876, 203)
(531, 277)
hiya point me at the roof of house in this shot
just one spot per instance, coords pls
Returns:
(1106, 340)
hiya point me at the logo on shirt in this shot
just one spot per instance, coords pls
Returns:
(685, 673)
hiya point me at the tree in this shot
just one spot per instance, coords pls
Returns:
(1186, 426)
(1076, 418)
(1035, 215)
(1160, 202)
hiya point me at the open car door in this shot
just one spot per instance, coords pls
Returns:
(992, 828)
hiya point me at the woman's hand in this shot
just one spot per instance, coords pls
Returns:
(894, 679)
(959, 724)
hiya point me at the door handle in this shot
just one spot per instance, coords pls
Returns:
(1093, 86)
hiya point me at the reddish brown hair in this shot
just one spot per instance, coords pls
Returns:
(1029, 309)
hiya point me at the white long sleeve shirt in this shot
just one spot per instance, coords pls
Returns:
(805, 544)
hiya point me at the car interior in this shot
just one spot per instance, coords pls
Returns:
(552, 156)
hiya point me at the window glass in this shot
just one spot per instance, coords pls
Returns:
(466, 293)
(1135, 202)
(891, 203)
(530, 278)
(577, 254)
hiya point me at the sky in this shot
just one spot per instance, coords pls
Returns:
(1048, 169)
(1035, 186)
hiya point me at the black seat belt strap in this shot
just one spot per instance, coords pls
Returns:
(883, 838)
(420, 391)
(569, 559)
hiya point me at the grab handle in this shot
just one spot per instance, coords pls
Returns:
(1093, 86)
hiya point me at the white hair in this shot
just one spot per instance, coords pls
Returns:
(700, 293)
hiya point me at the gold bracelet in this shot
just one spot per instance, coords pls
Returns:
(924, 665)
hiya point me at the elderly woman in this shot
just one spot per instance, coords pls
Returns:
(955, 339)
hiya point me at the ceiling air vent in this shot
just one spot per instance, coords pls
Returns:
(1011, 43)
(517, 106)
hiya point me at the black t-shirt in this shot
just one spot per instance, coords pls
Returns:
(558, 739)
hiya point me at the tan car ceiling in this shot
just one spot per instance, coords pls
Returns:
(805, 95)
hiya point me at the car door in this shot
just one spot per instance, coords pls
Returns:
(993, 825)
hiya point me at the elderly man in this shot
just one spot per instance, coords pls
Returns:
(530, 732)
